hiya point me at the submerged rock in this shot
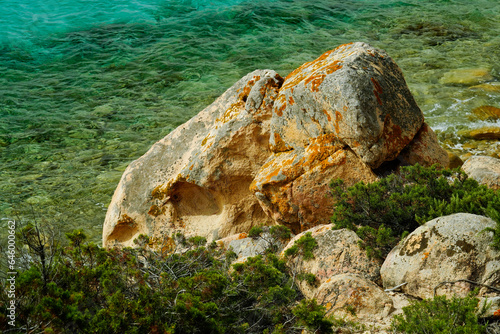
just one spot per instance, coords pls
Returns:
(445, 249)
(487, 112)
(466, 76)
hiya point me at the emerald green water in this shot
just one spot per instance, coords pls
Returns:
(83, 92)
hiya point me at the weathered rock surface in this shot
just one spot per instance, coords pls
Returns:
(485, 170)
(353, 297)
(246, 247)
(443, 250)
(425, 150)
(337, 253)
(292, 186)
(338, 116)
(197, 178)
(355, 92)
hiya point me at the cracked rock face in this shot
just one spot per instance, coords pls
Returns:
(196, 179)
(445, 249)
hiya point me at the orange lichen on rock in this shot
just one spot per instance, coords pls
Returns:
(246, 90)
(338, 118)
(231, 112)
(377, 91)
(279, 144)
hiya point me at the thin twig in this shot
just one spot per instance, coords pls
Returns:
(396, 287)
(467, 281)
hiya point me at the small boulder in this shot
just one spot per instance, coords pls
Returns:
(353, 297)
(338, 252)
(485, 170)
(425, 150)
(445, 249)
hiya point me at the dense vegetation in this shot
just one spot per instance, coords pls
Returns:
(383, 212)
(82, 288)
(441, 315)
(188, 286)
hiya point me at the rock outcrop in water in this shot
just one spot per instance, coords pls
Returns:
(266, 150)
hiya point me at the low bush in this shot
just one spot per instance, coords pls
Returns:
(81, 288)
(383, 212)
(441, 315)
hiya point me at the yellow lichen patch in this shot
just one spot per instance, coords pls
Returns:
(160, 192)
(126, 220)
(231, 112)
(487, 112)
(242, 235)
(291, 100)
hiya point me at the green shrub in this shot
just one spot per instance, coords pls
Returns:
(309, 278)
(303, 246)
(383, 211)
(82, 288)
(312, 316)
(439, 316)
(255, 232)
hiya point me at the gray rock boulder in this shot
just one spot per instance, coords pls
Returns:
(337, 253)
(357, 93)
(445, 249)
(485, 170)
(353, 297)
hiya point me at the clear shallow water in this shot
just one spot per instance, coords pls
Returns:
(88, 86)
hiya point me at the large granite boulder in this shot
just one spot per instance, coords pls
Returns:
(485, 170)
(338, 252)
(445, 249)
(196, 179)
(340, 116)
(355, 92)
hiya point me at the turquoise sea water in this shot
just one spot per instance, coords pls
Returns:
(87, 86)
